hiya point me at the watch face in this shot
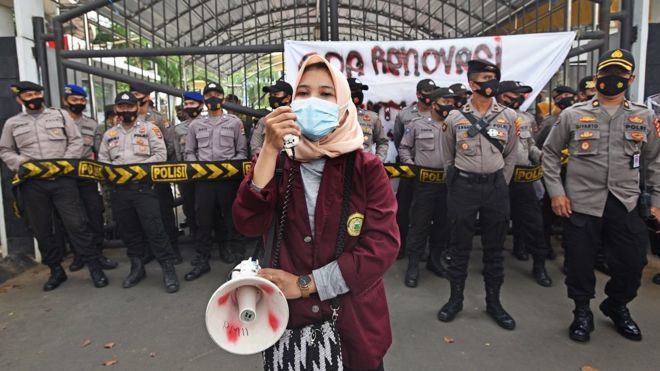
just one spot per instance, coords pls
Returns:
(304, 281)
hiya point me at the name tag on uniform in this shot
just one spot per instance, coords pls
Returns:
(634, 161)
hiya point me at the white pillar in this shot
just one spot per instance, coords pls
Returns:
(641, 20)
(24, 10)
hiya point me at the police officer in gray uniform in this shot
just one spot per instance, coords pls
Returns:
(371, 126)
(609, 139)
(193, 104)
(280, 94)
(525, 206)
(42, 133)
(75, 101)
(217, 137)
(146, 113)
(422, 146)
(480, 147)
(462, 92)
(421, 108)
(109, 121)
(563, 97)
(135, 204)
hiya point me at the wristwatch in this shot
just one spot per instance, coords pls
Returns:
(303, 284)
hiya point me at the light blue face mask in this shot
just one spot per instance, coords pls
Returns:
(316, 117)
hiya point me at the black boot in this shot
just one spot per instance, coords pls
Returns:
(57, 276)
(455, 303)
(148, 257)
(495, 310)
(623, 323)
(136, 275)
(107, 264)
(412, 273)
(434, 264)
(170, 280)
(540, 274)
(77, 264)
(200, 268)
(96, 273)
(552, 255)
(520, 253)
(656, 279)
(583, 323)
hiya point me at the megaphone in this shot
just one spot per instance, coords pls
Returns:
(247, 314)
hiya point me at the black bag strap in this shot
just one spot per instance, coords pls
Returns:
(270, 237)
(481, 125)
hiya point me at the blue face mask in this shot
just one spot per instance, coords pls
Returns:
(316, 117)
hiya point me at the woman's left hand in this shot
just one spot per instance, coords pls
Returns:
(286, 281)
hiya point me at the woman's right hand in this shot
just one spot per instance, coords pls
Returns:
(279, 123)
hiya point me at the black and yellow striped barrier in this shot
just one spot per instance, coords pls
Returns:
(205, 171)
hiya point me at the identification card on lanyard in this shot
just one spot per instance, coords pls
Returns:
(634, 160)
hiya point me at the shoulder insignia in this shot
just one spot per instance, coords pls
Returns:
(656, 123)
(156, 131)
(595, 103)
(113, 133)
(638, 136)
(354, 224)
(587, 119)
(444, 126)
(626, 104)
(636, 119)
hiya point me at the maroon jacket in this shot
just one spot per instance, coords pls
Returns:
(363, 322)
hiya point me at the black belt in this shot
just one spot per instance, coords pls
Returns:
(478, 178)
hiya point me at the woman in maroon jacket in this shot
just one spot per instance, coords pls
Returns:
(324, 118)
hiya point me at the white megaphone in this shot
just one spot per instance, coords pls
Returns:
(247, 314)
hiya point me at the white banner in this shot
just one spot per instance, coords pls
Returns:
(392, 69)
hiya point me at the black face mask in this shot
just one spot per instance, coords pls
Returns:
(565, 102)
(181, 116)
(443, 110)
(424, 98)
(516, 102)
(214, 104)
(128, 116)
(461, 101)
(590, 97)
(611, 85)
(143, 101)
(358, 98)
(192, 111)
(488, 88)
(77, 108)
(275, 102)
(34, 104)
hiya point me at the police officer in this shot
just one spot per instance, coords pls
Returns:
(193, 104)
(279, 95)
(109, 121)
(608, 138)
(371, 126)
(42, 133)
(586, 89)
(217, 137)
(135, 204)
(525, 206)
(146, 113)
(563, 97)
(422, 146)
(421, 108)
(480, 147)
(462, 92)
(75, 102)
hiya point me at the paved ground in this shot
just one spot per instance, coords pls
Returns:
(152, 330)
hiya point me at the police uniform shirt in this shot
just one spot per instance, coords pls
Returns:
(603, 149)
(214, 138)
(258, 136)
(156, 118)
(544, 129)
(98, 135)
(373, 132)
(180, 136)
(403, 118)
(87, 128)
(422, 144)
(528, 152)
(141, 143)
(46, 135)
(476, 154)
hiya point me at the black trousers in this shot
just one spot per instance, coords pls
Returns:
(42, 198)
(187, 190)
(527, 219)
(404, 197)
(166, 204)
(93, 204)
(490, 199)
(139, 221)
(209, 197)
(624, 238)
(430, 206)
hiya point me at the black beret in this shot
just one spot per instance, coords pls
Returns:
(480, 65)
(23, 86)
(426, 84)
(141, 88)
(279, 85)
(513, 87)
